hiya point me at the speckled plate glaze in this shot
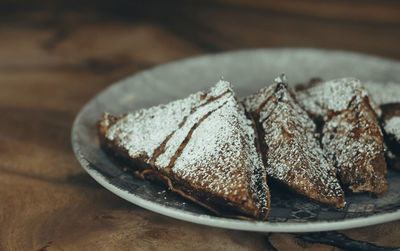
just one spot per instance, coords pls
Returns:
(248, 71)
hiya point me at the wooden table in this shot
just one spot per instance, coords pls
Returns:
(54, 56)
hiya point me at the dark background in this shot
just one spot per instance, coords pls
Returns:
(371, 26)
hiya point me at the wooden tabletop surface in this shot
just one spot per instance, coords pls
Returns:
(54, 56)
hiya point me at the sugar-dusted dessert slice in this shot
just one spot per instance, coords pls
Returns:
(351, 135)
(202, 146)
(291, 153)
(387, 96)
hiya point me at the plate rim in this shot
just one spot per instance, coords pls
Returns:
(215, 221)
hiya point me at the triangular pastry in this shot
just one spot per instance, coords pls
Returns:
(203, 146)
(387, 96)
(351, 135)
(291, 153)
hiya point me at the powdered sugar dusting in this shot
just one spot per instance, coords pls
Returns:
(318, 99)
(281, 79)
(353, 140)
(221, 155)
(253, 102)
(198, 112)
(351, 135)
(143, 131)
(204, 140)
(392, 126)
(293, 155)
(221, 140)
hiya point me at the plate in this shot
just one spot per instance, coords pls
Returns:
(248, 71)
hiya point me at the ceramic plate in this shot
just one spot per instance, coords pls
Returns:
(248, 71)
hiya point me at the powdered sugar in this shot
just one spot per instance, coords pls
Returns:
(392, 126)
(292, 153)
(351, 134)
(143, 131)
(220, 141)
(198, 112)
(281, 79)
(318, 99)
(204, 140)
(353, 141)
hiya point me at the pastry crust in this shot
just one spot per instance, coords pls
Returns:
(202, 147)
(351, 135)
(291, 153)
(387, 96)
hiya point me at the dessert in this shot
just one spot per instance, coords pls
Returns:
(387, 96)
(290, 151)
(202, 146)
(218, 152)
(350, 131)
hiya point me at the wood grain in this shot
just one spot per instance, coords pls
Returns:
(54, 56)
